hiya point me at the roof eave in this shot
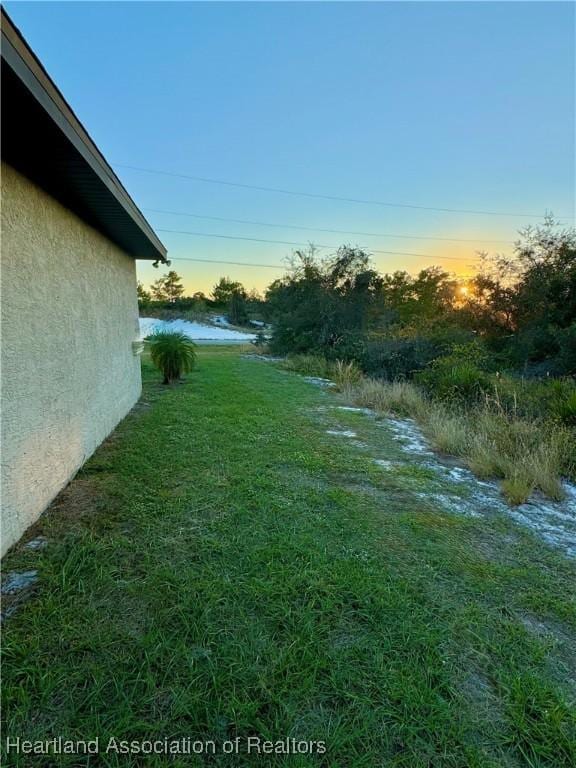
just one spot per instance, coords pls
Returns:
(22, 61)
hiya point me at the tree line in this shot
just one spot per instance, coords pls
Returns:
(516, 313)
(167, 294)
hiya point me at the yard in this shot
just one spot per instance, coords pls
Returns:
(228, 564)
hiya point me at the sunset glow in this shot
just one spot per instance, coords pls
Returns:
(257, 139)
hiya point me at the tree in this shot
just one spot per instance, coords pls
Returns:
(419, 301)
(238, 309)
(144, 297)
(168, 287)
(173, 286)
(157, 289)
(546, 291)
(524, 306)
(323, 305)
(544, 306)
(225, 288)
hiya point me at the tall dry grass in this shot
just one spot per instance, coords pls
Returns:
(345, 375)
(399, 397)
(342, 373)
(525, 455)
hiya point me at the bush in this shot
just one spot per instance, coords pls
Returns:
(549, 398)
(393, 359)
(345, 374)
(448, 379)
(566, 358)
(348, 346)
(565, 409)
(193, 311)
(238, 309)
(459, 375)
(172, 353)
(260, 341)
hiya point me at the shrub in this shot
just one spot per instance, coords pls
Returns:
(459, 375)
(238, 309)
(564, 407)
(538, 399)
(345, 374)
(566, 358)
(395, 358)
(347, 346)
(260, 340)
(450, 379)
(172, 353)
(193, 313)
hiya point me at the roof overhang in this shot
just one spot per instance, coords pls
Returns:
(43, 139)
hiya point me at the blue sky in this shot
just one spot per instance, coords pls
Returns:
(458, 105)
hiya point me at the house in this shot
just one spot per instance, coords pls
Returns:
(70, 237)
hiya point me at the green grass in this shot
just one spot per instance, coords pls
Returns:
(223, 568)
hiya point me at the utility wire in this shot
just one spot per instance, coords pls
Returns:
(284, 267)
(291, 242)
(234, 263)
(278, 190)
(323, 229)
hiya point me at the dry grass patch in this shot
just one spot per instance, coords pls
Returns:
(397, 398)
(309, 365)
(345, 374)
(448, 432)
(526, 455)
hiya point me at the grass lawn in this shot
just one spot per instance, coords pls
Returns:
(222, 567)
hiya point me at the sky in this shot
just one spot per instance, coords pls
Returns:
(459, 105)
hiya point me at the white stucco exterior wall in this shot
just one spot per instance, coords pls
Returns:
(69, 375)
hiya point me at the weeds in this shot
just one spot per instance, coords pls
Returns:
(345, 374)
(525, 454)
(493, 437)
(398, 398)
(342, 373)
(447, 431)
(309, 365)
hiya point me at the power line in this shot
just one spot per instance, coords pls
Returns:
(291, 242)
(269, 266)
(278, 190)
(323, 229)
(234, 263)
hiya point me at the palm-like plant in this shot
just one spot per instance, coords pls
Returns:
(172, 353)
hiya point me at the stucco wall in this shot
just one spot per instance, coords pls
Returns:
(69, 317)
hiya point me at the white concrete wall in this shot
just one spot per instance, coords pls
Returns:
(69, 317)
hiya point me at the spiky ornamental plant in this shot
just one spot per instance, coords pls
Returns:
(172, 353)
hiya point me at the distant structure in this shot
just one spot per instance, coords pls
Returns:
(70, 237)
